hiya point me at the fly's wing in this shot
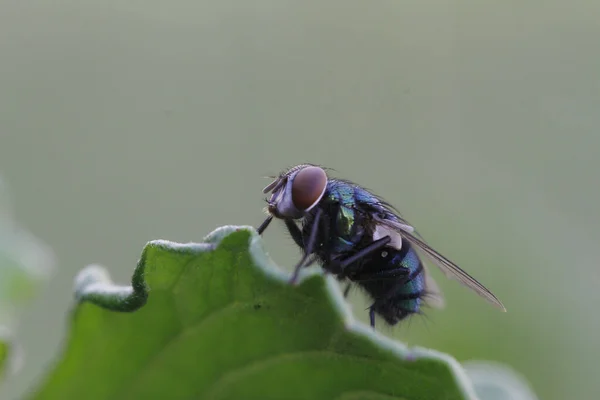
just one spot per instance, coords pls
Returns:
(450, 269)
(433, 294)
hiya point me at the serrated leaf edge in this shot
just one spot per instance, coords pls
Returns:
(94, 284)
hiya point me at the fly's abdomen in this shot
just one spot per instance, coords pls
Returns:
(411, 292)
(397, 297)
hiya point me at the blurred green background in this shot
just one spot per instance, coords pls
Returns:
(123, 122)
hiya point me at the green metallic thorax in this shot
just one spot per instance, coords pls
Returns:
(349, 230)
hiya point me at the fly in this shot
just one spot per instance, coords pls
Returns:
(360, 238)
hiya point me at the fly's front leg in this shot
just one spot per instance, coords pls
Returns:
(310, 245)
(295, 232)
(264, 225)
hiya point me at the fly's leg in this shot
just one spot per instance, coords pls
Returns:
(310, 246)
(264, 225)
(347, 290)
(372, 317)
(394, 274)
(380, 301)
(295, 232)
(340, 266)
(311, 261)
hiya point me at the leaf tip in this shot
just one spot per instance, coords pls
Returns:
(88, 276)
(93, 284)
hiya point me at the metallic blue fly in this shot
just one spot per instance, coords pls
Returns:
(359, 237)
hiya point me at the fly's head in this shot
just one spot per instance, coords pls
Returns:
(296, 191)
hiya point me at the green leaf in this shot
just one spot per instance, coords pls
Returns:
(218, 320)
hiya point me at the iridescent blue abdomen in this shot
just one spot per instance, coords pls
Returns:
(405, 295)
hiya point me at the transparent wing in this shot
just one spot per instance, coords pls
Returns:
(433, 294)
(450, 269)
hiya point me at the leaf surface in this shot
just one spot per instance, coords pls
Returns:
(218, 320)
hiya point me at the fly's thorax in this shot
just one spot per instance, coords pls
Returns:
(342, 227)
(346, 222)
(340, 198)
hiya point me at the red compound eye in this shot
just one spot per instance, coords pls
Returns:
(308, 187)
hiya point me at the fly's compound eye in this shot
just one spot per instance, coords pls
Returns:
(308, 187)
